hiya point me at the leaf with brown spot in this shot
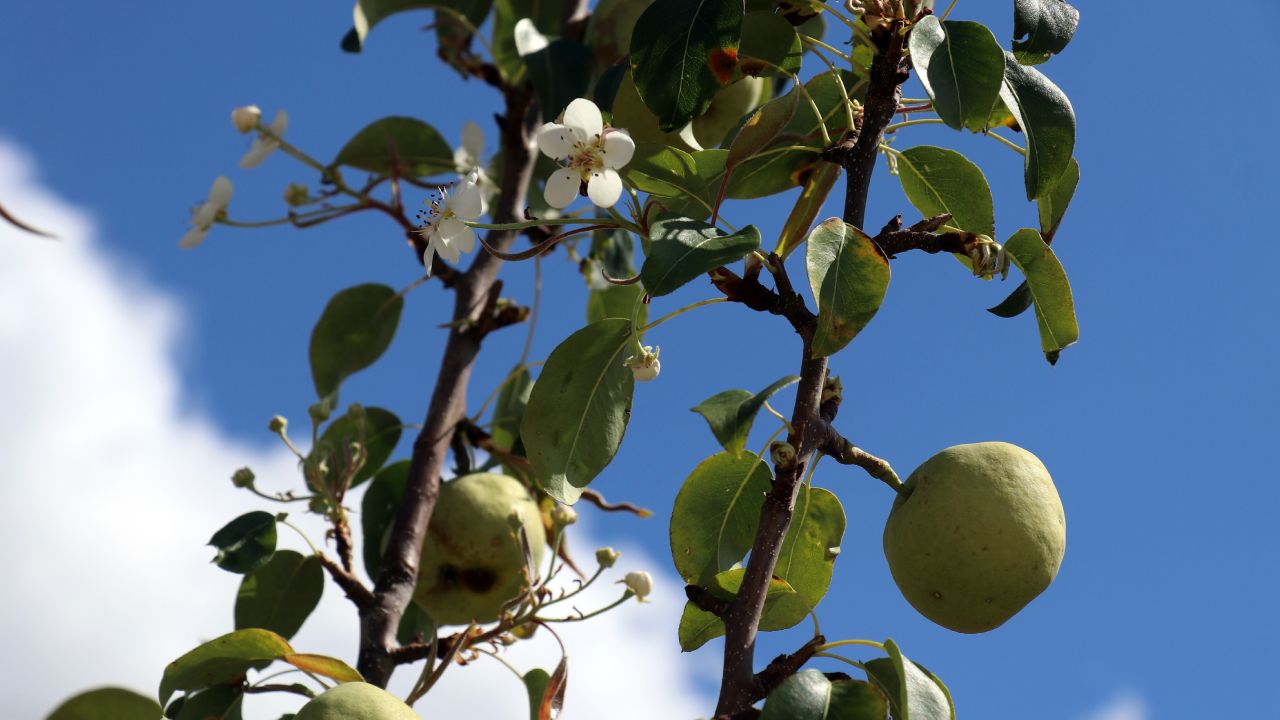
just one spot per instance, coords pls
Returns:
(849, 276)
(682, 52)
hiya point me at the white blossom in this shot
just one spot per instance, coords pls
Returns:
(266, 143)
(640, 583)
(246, 118)
(443, 227)
(528, 39)
(645, 366)
(468, 158)
(203, 217)
(592, 154)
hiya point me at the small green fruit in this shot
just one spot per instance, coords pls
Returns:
(472, 562)
(356, 701)
(977, 533)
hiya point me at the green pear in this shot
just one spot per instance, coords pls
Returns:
(356, 701)
(976, 533)
(472, 561)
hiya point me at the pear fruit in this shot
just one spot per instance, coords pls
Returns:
(472, 561)
(977, 532)
(356, 701)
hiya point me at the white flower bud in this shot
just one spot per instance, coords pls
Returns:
(645, 366)
(640, 583)
(246, 118)
(563, 515)
(607, 556)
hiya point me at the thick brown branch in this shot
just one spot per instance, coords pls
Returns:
(784, 666)
(888, 71)
(705, 600)
(834, 445)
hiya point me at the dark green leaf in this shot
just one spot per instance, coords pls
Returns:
(1046, 117)
(609, 31)
(454, 28)
(683, 52)
(614, 250)
(369, 13)
(508, 411)
(1050, 290)
(401, 146)
(323, 665)
(857, 700)
(221, 702)
(770, 45)
(817, 186)
(375, 429)
(849, 276)
(630, 112)
(681, 249)
(107, 704)
(579, 407)
(938, 180)
(1014, 305)
(961, 66)
(803, 696)
(1042, 29)
(913, 693)
(281, 594)
(378, 512)
(355, 329)
(535, 683)
(732, 412)
(560, 72)
(1053, 207)
(246, 543)
(716, 512)
(616, 301)
(222, 660)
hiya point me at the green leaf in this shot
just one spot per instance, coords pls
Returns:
(682, 52)
(369, 13)
(579, 407)
(698, 627)
(937, 180)
(355, 329)
(913, 693)
(246, 543)
(535, 683)
(630, 112)
(453, 33)
(402, 146)
(728, 108)
(281, 594)
(375, 429)
(378, 511)
(761, 128)
(1050, 291)
(681, 249)
(222, 660)
(817, 186)
(508, 411)
(716, 512)
(961, 66)
(857, 700)
(732, 412)
(616, 301)
(662, 170)
(1046, 117)
(323, 665)
(803, 696)
(770, 46)
(1014, 305)
(221, 702)
(545, 15)
(1053, 206)
(609, 30)
(807, 558)
(415, 625)
(560, 72)
(849, 276)
(615, 250)
(1042, 29)
(107, 704)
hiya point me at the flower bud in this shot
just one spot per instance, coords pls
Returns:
(246, 118)
(607, 556)
(242, 478)
(783, 454)
(321, 411)
(645, 366)
(297, 194)
(639, 583)
(563, 515)
(278, 424)
(318, 505)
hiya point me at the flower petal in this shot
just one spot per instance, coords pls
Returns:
(220, 193)
(618, 148)
(583, 115)
(473, 139)
(194, 237)
(261, 148)
(555, 141)
(562, 188)
(428, 255)
(280, 122)
(528, 39)
(450, 252)
(605, 187)
(465, 240)
(467, 201)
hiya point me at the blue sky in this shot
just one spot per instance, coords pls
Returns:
(1157, 427)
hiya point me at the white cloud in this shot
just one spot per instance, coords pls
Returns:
(112, 486)
(1124, 706)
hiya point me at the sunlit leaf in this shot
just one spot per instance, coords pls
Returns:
(817, 186)
(323, 665)
(1050, 291)
(1042, 29)
(716, 512)
(849, 276)
(681, 249)
(732, 412)
(221, 660)
(961, 66)
(1053, 207)
(682, 53)
(1046, 117)
(937, 180)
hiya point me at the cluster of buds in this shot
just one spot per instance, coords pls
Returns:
(988, 257)
(875, 13)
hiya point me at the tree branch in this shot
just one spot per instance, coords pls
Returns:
(739, 685)
(350, 584)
